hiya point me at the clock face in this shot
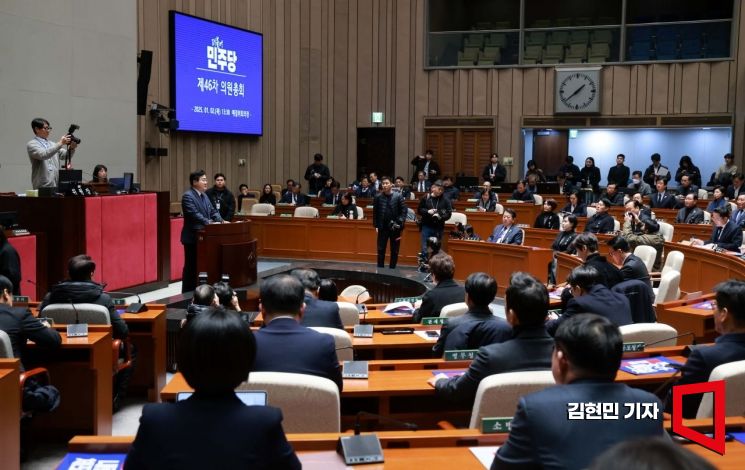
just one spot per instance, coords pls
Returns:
(578, 92)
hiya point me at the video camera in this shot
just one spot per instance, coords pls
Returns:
(71, 130)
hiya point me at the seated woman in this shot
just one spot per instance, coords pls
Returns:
(507, 233)
(563, 243)
(100, 174)
(521, 192)
(575, 206)
(602, 221)
(486, 203)
(718, 201)
(346, 209)
(547, 218)
(215, 353)
(267, 195)
(326, 191)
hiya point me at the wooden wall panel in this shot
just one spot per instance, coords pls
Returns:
(330, 63)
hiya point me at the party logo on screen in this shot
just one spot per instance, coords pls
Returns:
(219, 58)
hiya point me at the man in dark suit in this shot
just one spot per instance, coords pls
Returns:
(690, 213)
(589, 295)
(427, 164)
(686, 186)
(389, 217)
(283, 344)
(494, 172)
(726, 235)
(661, 199)
(632, 267)
(507, 232)
(736, 188)
(551, 429)
(316, 174)
(198, 211)
(434, 209)
(619, 174)
(729, 322)
(611, 193)
(449, 190)
(421, 184)
(445, 292)
(656, 171)
(317, 312)
(586, 245)
(478, 326)
(738, 216)
(526, 305)
(295, 197)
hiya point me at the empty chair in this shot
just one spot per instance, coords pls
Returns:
(649, 333)
(454, 310)
(668, 289)
(602, 35)
(703, 194)
(360, 213)
(580, 36)
(499, 209)
(667, 231)
(591, 211)
(533, 53)
(647, 254)
(535, 38)
(81, 313)
(499, 394)
(262, 209)
(537, 199)
(356, 293)
(348, 313)
(577, 51)
(734, 374)
(306, 212)
(554, 51)
(601, 49)
(707, 217)
(247, 204)
(496, 40)
(457, 217)
(342, 342)
(560, 38)
(673, 263)
(308, 403)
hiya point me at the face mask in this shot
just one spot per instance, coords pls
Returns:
(636, 181)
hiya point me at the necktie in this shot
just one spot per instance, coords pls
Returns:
(659, 198)
(504, 234)
(719, 235)
(421, 186)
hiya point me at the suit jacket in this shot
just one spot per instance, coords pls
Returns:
(513, 235)
(609, 273)
(733, 192)
(691, 189)
(442, 205)
(188, 434)
(21, 326)
(284, 345)
(728, 237)
(601, 222)
(634, 268)
(693, 172)
(300, 199)
(526, 196)
(580, 210)
(462, 332)
(198, 211)
(619, 175)
(692, 216)
(529, 349)
(599, 300)
(488, 206)
(704, 359)
(333, 198)
(547, 220)
(387, 209)
(494, 174)
(224, 199)
(321, 313)
(650, 174)
(668, 201)
(316, 184)
(616, 199)
(415, 186)
(738, 217)
(541, 434)
(444, 293)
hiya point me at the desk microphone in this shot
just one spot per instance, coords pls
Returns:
(77, 329)
(77, 316)
(357, 299)
(690, 333)
(361, 449)
(135, 307)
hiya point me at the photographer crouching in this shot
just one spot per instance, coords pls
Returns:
(389, 216)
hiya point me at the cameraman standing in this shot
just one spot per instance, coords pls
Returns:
(389, 215)
(45, 156)
(434, 210)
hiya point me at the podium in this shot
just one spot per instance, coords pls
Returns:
(227, 249)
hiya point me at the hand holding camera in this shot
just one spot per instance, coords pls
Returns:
(394, 226)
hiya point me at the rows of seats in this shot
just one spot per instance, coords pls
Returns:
(674, 43)
(567, 46)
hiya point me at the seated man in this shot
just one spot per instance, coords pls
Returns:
(589, 295)
(686, 186)
(283, 344)
(449, 190)
(526, 305)
(661, 199)
(638, 185)
(507, 232)
(81, 289)
(586, 246)
(317, 312)
(521, 192)
(632, 267)
(295, 197)
(738, 216)
(611, 193)
(726, 235)
(601, 221)
(203, 299)
(445, 292)
(585, 361)
(469, 330)
(690, 213)
(649, 234)
(729, 321)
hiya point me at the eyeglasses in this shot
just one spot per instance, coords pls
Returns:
(47, 128)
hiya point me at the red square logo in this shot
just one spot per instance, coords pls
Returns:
(717, 388)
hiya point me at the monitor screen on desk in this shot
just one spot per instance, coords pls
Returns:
(9, 219)
(128, 177)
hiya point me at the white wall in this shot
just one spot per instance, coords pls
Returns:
(706, 147)
(69, 61)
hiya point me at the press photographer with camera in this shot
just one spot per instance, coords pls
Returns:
(434, 210)
(389, 216)
(46, 156)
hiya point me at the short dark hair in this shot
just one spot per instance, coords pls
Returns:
(511, 211)
(685, 159)
(195, 176)
(586, 240)
(636, 173)
(317, 157)
(38, 123)
(650, 224)
(217, 175)
(619, 243)
(621, 155)
(693, 195)
(739, 176)
(96, 169)
(584, 276)
(635, 203)
(290, 181)
(656, 453)
(384, 178)
(481, 289)
(442, 266)
(308, 278)
(572, 220)
(204, 294)
(5, 284)
(205, 343)
(723, 211)
(282, 293)
(244, 185)
(328, 290)
(592, 344)
(80, 268)
(528, 298)
(552, 203)
(224, 293)
(731, 295)
(606, 202)
(656, 157)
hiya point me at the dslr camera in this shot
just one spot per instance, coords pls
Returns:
(394, 226)
(71, 130)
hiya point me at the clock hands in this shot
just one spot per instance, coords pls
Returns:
(575, 92)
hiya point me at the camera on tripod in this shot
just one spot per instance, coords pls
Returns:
(71, 131)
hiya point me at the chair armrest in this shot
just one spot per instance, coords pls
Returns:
(117, 344)
(41, 373)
